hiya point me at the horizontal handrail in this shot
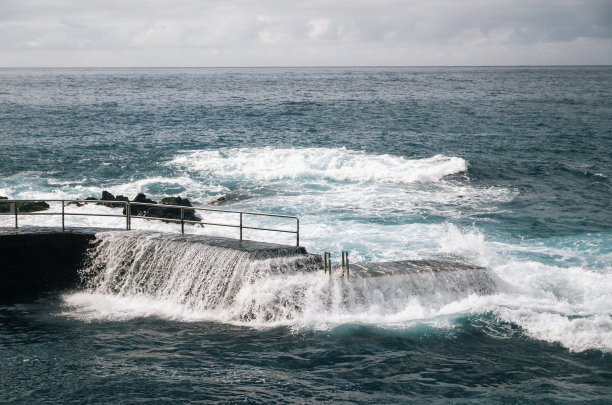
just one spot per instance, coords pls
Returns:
(127, 205)
(66, 200)
(198, 208)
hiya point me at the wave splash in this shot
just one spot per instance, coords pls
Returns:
(143, 274)
(135, 274)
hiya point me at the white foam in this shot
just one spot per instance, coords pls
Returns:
(35, 185)
(569, 305)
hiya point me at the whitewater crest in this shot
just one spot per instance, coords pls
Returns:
(337, 164)
(133, 274)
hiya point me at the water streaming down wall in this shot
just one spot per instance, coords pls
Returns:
(271, 286)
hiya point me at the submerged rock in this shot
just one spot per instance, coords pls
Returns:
(80, 204)
(219, 201)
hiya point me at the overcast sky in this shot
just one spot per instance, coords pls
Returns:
(304, 33)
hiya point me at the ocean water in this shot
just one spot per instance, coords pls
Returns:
(508, 169)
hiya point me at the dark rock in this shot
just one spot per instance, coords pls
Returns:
(141, 210)
(142, 198)
(32, 206)
(175, 213)
(160, 212)
(24, 206)
(176, 201)
(219, 201)
(106, 196)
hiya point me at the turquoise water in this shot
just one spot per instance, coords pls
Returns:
(506, 168)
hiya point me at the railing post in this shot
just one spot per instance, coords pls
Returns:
(16, 209)
(345, 262)
(241, 226)
(63, 224)
(325, 262)
(128, 208)
(297, 235)
(182, 221)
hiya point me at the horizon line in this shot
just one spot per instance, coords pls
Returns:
(302, 66)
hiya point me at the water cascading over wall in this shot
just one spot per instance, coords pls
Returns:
(269, 286)
(198, 275)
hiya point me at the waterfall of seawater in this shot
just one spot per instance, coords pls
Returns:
(148, 273)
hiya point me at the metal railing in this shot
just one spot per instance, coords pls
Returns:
(327, 264)
(127, 209)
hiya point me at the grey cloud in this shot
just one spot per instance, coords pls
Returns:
(247, 32)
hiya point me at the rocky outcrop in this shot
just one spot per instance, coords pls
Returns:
(109, 199)
(106, 196)
(161, 212)
(24, 206)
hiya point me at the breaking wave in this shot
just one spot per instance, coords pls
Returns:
(337, 164)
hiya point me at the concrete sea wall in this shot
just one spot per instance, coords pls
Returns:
(35, 260)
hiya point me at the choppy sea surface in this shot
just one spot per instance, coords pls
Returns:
(508, 169)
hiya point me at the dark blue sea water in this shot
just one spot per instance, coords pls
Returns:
(505, 168)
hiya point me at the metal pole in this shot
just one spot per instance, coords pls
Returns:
(63, 224)
(182, 221)
(297, 243)
(16, 209)
(327, 262)
(347, 264)
(241, 226)
(128, 208)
